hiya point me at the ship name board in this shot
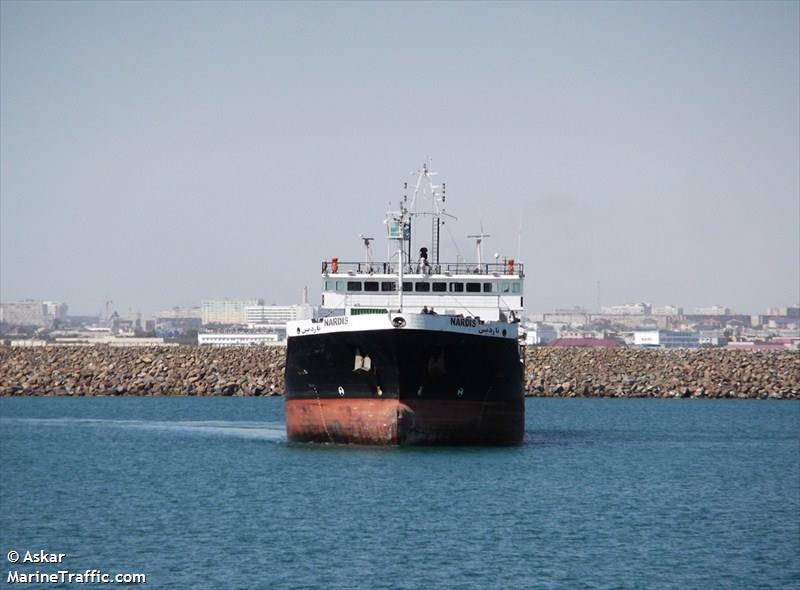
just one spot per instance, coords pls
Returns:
(337, 321)
(464, 322)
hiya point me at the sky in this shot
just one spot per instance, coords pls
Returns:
(157, 154)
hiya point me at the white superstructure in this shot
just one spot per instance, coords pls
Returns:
(449, 289)
(490, 291)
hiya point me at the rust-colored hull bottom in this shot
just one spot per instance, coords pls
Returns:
(393, 421)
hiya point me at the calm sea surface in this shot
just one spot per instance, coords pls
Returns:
(207, 493)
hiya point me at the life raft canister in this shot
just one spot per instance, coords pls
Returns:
(334, 265)
(510, 266)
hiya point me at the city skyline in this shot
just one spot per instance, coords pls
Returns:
(610, 309)
(159, 154)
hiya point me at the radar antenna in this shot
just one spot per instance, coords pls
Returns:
(367, 250)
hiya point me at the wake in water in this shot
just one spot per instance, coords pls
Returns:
(269, 431)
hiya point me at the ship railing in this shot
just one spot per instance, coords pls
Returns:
(508, 267)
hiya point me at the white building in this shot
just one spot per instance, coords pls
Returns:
(668, 310)
(665, 339)
(712, 339)
(238, 339)
(31, 312)
(649, 338)
(575, 316)
(225, 311)
(539, 334)
(179, 313)
(276, 315)
(712, 310)
(627, 309)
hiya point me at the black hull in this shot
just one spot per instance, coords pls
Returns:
(422, 387)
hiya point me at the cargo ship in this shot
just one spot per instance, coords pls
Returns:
(411, 351)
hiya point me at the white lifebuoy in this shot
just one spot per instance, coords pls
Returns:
(460, 392)
(341, 391)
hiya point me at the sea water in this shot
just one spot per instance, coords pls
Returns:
(207, 493)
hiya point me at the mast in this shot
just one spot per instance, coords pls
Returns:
(407, 224)
(395, 227)
(479, 243)
(425, 188)
(437, 228)
(400, 278)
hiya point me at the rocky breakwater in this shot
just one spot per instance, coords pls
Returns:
(556, 372)
(633, 372)
(103, 370)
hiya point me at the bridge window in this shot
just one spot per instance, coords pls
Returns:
(354, 285)
(440, 287)
(456, 287)
(329, 285)
(406, 286)
(340, 285)
(487, 287)
(388, 286)
(473, 287)
(505, 287)
(422, 287)
(370, 285)
(515, 287)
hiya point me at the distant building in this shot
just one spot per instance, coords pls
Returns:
(666, 339)
(627, 309)
(633, 322)
(221, 339)
(793, 311)
(581, 333)
(171, 327)
(646, 338)
(712, 310)
(711, 339)
(106, 339)
(55, 310)
(40, 314)
(276, 315)
(575, 316)
(539, 334)
(177, 321)
(226, 311)
(668, 310)
(179, 313)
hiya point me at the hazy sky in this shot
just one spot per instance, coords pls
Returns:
(160, 154)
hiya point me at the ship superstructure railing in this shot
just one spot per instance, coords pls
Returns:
(507, 267)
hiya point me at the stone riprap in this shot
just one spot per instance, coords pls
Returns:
(104, 370)
(634, 372)
(550, 372)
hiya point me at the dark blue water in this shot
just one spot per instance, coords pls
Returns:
(207, 493)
